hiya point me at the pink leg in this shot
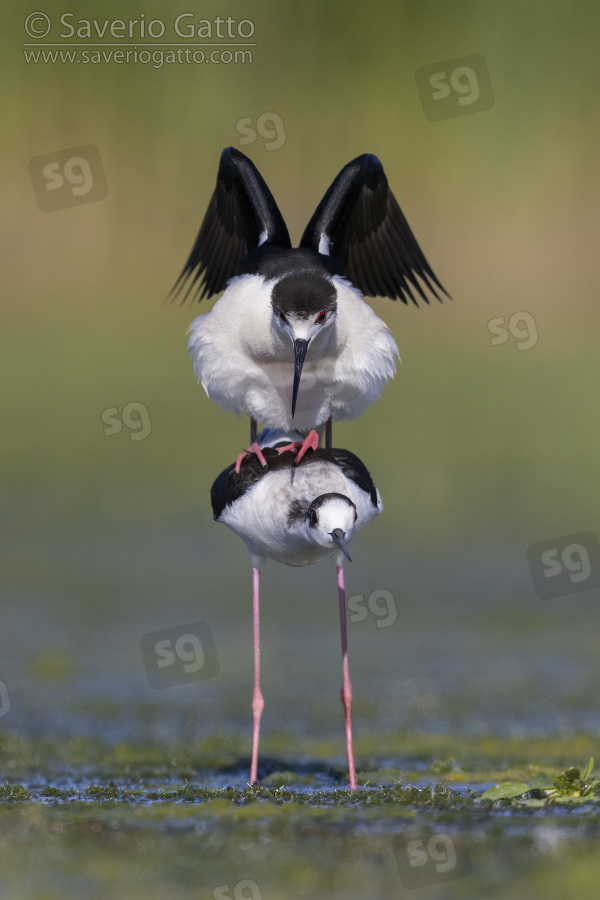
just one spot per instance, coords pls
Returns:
(328, 434)
(310, 442)
(253, 448)
(346, 692)
(258, 704)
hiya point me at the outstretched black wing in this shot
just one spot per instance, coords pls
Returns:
(241, 216)
(359, 223)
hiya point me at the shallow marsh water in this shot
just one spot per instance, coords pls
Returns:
(101, 820)
(111, 788)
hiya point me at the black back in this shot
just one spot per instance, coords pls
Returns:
(231, 485)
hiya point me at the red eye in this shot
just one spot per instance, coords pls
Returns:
(282, 317)
(321, 317)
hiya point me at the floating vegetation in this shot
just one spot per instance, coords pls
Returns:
(572, 786)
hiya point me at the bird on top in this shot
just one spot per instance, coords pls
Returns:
(291, 342)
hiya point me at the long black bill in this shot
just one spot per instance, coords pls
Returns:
(339, 537)
(300, 348)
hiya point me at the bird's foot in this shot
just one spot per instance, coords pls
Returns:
(310, 442)
(253, 448)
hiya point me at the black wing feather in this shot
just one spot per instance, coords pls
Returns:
(354, 469)
(231, 485)
(240, 209)
(369, 235)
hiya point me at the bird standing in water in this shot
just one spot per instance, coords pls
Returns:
(291, 342)
(297, 513)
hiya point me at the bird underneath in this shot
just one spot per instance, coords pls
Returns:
(297, 515)
(291, 341)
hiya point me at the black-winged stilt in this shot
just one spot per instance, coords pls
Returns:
(297, 515)
(287, 313)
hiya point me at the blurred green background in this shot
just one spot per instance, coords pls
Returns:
(478, 450)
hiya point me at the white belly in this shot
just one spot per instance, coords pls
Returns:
(260, 516)
(243, 370)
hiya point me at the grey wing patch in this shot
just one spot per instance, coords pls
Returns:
(298, 511)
